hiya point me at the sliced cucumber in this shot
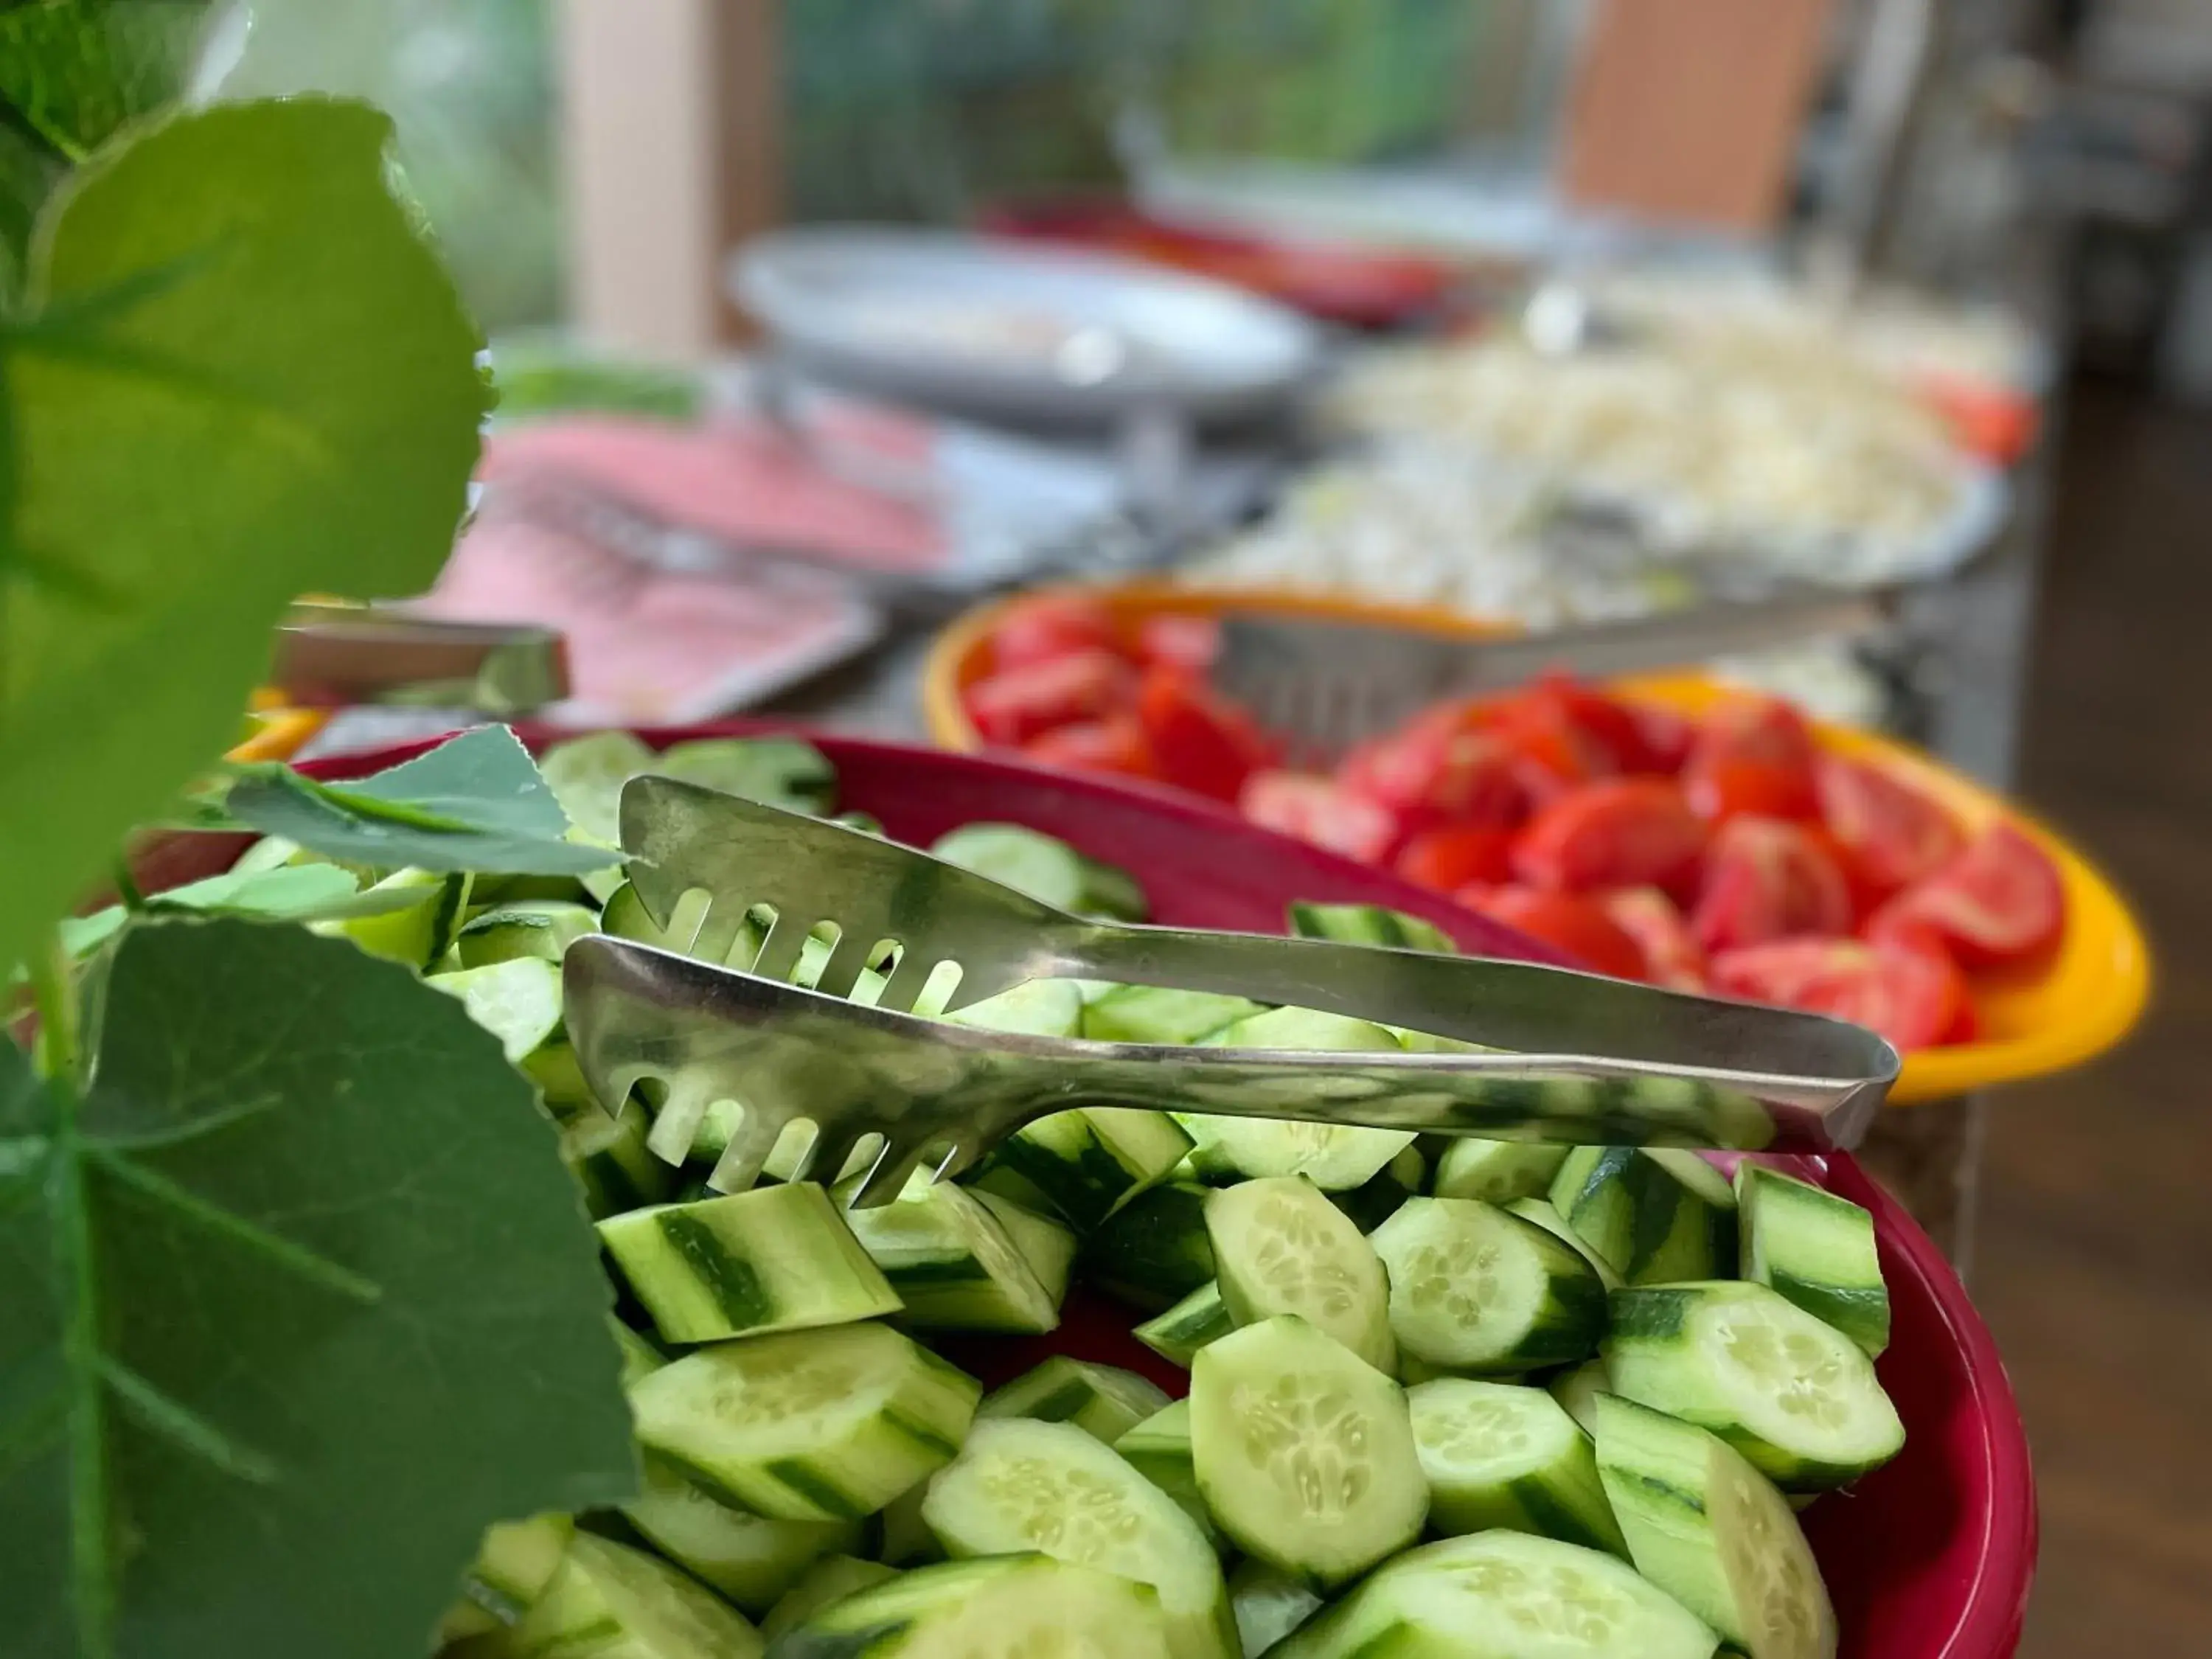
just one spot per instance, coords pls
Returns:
(1335, 1158)
(815, 1425)
(1794, 1395)
(609, 1600)
(1369, 924)
(1503, 1595)
(906, 1540)
(586, 776)
(1200, 1318)
(1160, 1014)
(539, 928)
(1104, 1402)
(784, 772)
(1153, 1251)
(626, 917)
(771, 1259)
(1082, 1165)
(1304, 1452)
(1159, 1449)
(1005, 1606)
(1038, 1007)
(1500, 1454)
(419, 934)
(517, 1001)
(1020, 1484)
(1713, 1532)
(1269, 1605)
(1540, 1211)
(1655, 1218)
(1046, 868)
(1282, 1247)
(1475, 1290)
(949, 1259)
(639, 1358)
(1044, 1244)
(1498, 1171)
(749, 1559)
(1813, 1248)
(1578, 1389)
(830, 1580)
(560, 1080)
(1375, 1201)
(616, 1169)
(514, 1568)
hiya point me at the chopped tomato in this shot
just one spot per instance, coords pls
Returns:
(1666, 737)
(1992, 422)
(1576, 926)
(1999, 900)
(1891, 833)
(1114, 745)
(1615, 737)
(1199, 739)
(1432, 775)
(1619, 832)
(1016, 704)
(1173, 641)
(1550, 752)
(1765, 880)
(1315, 809)
(1756, 755)
(1913, 997)
(1446, 860)
(1044, 626)
(1661, 933)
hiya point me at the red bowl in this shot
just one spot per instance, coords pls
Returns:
(1930, 1558)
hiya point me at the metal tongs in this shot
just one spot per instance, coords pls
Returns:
(1583, 1058)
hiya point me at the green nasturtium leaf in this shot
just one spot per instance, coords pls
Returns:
(475, 802)
(75, 71)
(237, 374)
(295, 1303)
(298, 892)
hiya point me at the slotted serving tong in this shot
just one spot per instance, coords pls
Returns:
(1585, 1059)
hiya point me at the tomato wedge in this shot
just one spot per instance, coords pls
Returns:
(1171, 639)
(1573, 925)
(1550, 752)
(1199, 739)
(1615, 737)
(1661, 933)
(1621, 832)
(1766, 879)
(1114, 745)
(1445, 860)
(1755, 755)
(1892, 833)
(1998, 901)
(1017, 704)
(1431, 774)
(1318, 810)
(1916, 998)
(1044, 626)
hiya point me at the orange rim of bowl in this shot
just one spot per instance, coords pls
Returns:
(2073, 1007)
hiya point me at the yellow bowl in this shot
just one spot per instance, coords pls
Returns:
(2071, 1008)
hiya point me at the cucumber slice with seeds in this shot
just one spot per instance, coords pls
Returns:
(949, 1260)
(1005, 1606)
(1154, 1250)
(1159, 1449)
(1304, 1452)
(1104, 1402)
(1335, 1158)
(539, 929)
(1500, 1454)
(1084, 1165)
(1269, 1605)
(1498, 1171)
(1044, 1244)
(1503, 1595)
(1578, 1389)
(1713, 1532)
(827, 1581)
(1654, 1219)
(1020, 1484)
(1046, 868)
(586, 776)
(1793, 1395)
(1476, 1290)
(815, 1425)
(609, 1601)
(749, 1559)
(1282, 1247)
(1160, 1014)
(517, 1001)
(1200, 1318)
(1813, 1248)
(1369, 924)
(771, 1259)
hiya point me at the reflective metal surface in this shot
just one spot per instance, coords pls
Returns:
(1590, 1060)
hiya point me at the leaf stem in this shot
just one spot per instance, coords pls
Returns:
(53, 994)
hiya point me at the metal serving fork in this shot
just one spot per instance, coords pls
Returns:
(1590, 1061)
